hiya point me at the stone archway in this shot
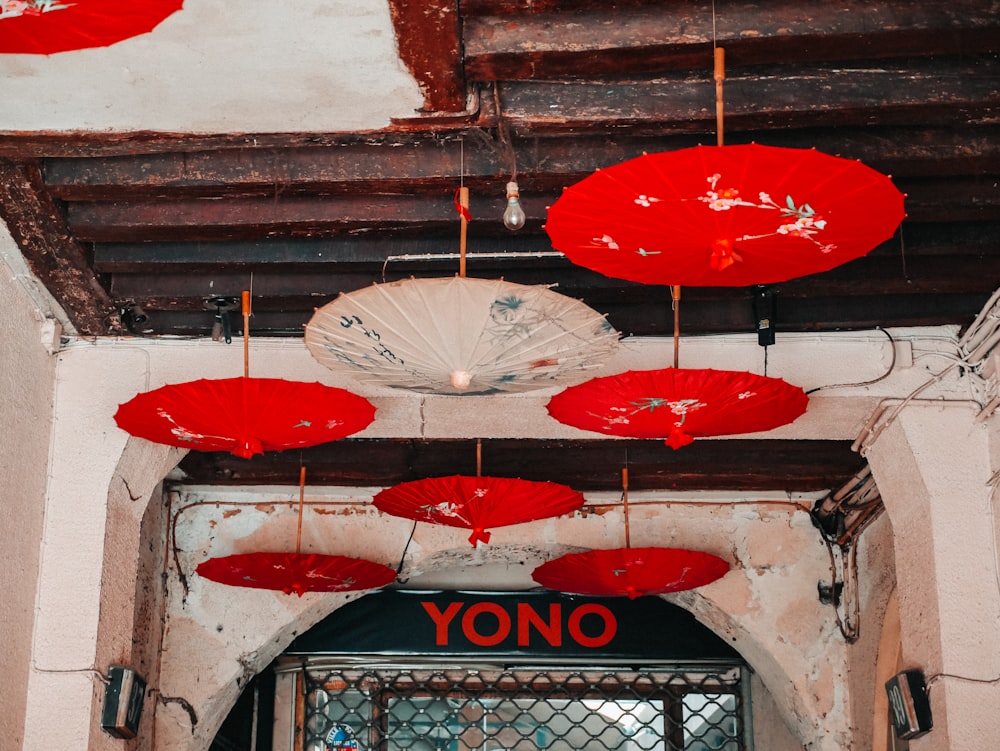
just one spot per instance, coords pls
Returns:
(217, 641)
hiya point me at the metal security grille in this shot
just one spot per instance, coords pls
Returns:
(423, 709)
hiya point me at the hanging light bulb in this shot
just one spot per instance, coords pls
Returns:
(460, 379)
(513, 216)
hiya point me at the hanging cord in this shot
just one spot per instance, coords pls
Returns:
(302, 497)
(503, 133)
(628, 541)
(902, 255)
(406, 547)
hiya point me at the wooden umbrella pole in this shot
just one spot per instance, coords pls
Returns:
(246, 333)
(479, 457)
(720, 76)
(302, 497)
(628, 542)
(463, 201)
(675, 296)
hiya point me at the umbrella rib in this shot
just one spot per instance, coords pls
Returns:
(495, 330)
(460, 286)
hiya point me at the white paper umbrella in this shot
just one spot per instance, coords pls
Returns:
(460, 335)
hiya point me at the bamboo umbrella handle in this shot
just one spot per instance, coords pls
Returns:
(463, 201)
(246, 333)
(720, 76)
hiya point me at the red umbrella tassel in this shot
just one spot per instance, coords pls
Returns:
(479, 535)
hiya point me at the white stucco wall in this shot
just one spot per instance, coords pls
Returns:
(99, 481)
(254, 66)
(26, 391)
(937, 467)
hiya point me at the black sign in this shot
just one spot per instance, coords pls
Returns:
(539, 624)
(909, 704)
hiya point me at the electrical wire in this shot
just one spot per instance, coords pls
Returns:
(863, 443)
(938, 676)
(406, 547)
(888, 372)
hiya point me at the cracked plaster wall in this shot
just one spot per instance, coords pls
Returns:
(215, 639)
(766, 606)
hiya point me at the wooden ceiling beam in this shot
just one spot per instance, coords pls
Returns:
(892, 93)
(586, 465)
(816, 315)
(396, 254)
(420, 164)
(435, 253)
(257, 218)
(250, 218)
(276, 315)
(895, 285)
(580, 40)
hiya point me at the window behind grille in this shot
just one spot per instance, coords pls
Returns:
(422, 708)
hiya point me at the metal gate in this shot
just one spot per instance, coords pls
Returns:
(422, 708)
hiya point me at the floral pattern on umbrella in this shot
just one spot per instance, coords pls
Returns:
(15, 8)
(724, 216)
(679, 405)
(476, 502)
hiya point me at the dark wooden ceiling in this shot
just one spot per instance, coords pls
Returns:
(551, 90)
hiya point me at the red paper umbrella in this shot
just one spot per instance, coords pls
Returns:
(477, 502)
(245, 416)
(724, 216)
(43, 27)
(679, 404)
(297, 572)
(630, 572)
